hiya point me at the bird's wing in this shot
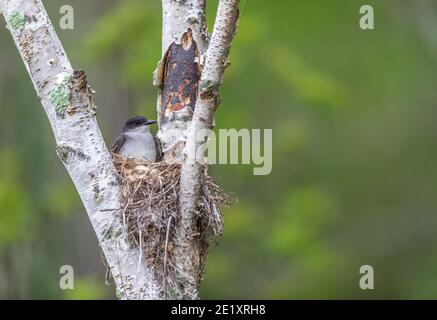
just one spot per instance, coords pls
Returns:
(118, 143)
(158, 149)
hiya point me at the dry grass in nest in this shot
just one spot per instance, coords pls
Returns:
(151, 208)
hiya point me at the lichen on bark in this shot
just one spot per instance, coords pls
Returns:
(17, 20)
(60, 95)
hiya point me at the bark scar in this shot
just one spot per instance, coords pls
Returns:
(180, 75)
(79, 83)
(65, 152)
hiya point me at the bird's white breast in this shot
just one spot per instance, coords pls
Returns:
(139, 145)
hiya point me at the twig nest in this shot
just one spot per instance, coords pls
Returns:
(150, 194)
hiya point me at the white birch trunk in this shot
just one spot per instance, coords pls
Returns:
(67, 101)
(178, 17)
(207, 101)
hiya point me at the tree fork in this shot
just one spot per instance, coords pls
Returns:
(188, 79)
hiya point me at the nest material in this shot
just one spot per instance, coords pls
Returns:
(151, 210)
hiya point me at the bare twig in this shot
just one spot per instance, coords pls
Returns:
(167, 236)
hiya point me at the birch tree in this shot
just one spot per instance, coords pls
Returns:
(188, 78)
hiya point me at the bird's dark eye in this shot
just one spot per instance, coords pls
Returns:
(137, 122)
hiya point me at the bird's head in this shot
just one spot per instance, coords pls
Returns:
(137, 123)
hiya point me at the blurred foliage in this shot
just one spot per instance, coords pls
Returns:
(14, 213)
(89, 288)
(353, 178)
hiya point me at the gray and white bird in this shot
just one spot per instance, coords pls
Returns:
(136, 141)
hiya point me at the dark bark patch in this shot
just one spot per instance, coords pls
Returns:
(82, 91)
(181, 76)
(65, 152)
(79, 81)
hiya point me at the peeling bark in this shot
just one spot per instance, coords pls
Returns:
(66, 98)
(184, 41)
(181, 77)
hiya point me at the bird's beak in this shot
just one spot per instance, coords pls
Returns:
(149, 122)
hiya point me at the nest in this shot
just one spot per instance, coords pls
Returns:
(150, 194)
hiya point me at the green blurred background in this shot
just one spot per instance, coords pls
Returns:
(354, 150)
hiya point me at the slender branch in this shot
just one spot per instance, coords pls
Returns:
(67, 101)
(212, 74)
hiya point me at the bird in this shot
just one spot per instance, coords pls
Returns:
(136, 141)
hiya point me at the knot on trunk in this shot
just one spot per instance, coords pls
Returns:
(79, 80)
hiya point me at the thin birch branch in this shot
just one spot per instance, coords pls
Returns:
(67, 101)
